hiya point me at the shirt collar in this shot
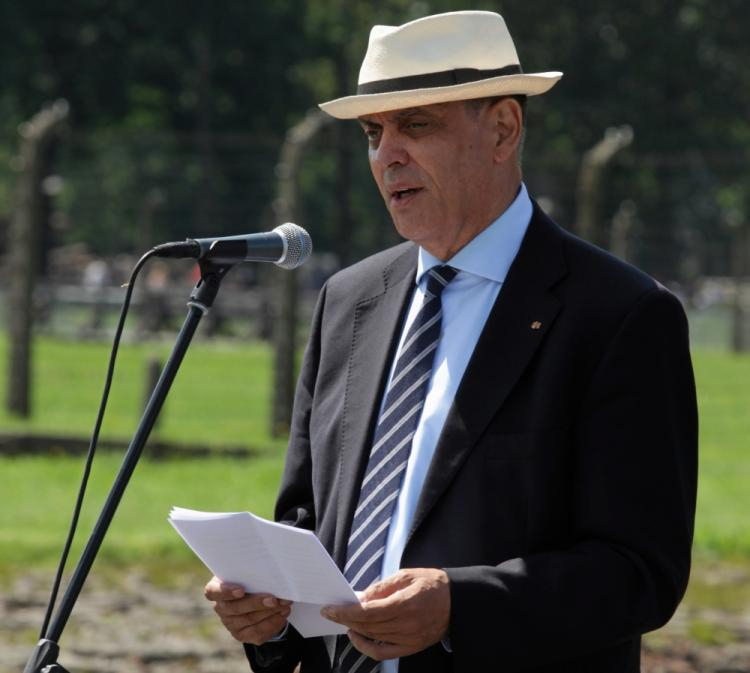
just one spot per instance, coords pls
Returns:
(492, 251)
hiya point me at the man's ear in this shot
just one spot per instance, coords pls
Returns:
(506, 117)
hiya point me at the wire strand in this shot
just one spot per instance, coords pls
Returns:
(94, 440)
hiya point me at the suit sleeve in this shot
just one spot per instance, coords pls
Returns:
(627, 564)
(294, 505)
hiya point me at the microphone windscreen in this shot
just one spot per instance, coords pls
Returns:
(297, 243)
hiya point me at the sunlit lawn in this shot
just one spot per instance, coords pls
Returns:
(723, 382)
(221, 398)
(38, 494)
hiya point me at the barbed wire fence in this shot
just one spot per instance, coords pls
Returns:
(113, 197)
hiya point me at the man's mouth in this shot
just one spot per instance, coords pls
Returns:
(400, 194)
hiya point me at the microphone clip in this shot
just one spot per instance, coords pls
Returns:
(189, 248)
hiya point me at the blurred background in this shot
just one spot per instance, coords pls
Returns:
(125, 124)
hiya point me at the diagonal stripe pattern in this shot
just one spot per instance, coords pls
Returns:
(390, 453)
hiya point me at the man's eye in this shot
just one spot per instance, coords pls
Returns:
(372, 134)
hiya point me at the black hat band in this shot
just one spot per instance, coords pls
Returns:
(435, 79)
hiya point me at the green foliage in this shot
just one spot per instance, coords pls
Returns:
(179, 111)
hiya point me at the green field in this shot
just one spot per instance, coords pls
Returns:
(220, 396)
(723, 383)
(40, 494)
(220, 399)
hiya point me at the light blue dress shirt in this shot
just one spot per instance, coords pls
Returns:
(467, 301)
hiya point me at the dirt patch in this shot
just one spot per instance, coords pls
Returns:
(131, 627)
(125, 623)
(710, 633)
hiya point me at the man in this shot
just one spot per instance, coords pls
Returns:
(495, 425)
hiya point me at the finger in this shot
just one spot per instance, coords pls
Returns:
(250, 603)
(376, 649)
(252, 619)
(380, 602)
(364, 613)
(385, 607)
(218, 590)
(406, 632)
(386, 586)
(372, 612)
(228, 612)
(257, 634)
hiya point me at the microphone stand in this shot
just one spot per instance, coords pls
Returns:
(44, 657)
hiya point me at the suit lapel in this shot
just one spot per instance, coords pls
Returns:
(523, 313)
(376, 324)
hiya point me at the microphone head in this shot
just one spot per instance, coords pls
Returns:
(297, 245)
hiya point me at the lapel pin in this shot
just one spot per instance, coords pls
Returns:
(536, 325)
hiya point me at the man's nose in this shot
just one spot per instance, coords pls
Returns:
(390, 150)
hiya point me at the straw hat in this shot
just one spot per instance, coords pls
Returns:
(436, 59)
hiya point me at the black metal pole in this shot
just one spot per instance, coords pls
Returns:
(44, 657)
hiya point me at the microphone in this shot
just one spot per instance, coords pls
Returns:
(287, 246)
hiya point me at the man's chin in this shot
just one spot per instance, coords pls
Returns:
(409, 229)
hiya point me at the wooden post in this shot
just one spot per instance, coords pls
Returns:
(741, 298)
(36, 136)
(286, 209)
(622, 228)
(589, 188)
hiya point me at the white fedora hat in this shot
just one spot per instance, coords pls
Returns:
(437, 59)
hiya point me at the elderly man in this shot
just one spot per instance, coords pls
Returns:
(494, 430)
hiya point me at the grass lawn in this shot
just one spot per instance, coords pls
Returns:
(38, 493)
(220, 398)
(723, 383)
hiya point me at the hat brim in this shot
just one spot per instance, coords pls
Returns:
(351, 107)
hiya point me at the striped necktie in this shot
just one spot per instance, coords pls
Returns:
(390, 453)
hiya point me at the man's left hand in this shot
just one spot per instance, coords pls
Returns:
(400, 615)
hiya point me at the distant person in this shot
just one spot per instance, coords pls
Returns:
(495, 424)
(156, 313)
(95, 279)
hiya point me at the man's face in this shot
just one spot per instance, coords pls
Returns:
(432, 165)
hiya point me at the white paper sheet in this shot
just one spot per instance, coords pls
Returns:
(264, 556)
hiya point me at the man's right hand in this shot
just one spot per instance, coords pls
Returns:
(250, 618)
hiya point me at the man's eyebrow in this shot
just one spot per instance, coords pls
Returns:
(406, 113)
(409, 112)
(426, 110)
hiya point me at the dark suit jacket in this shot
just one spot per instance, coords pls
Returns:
(561, 495)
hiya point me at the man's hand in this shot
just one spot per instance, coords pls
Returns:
(400, 615)
(250, 618)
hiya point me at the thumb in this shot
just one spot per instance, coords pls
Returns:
(384, 587)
